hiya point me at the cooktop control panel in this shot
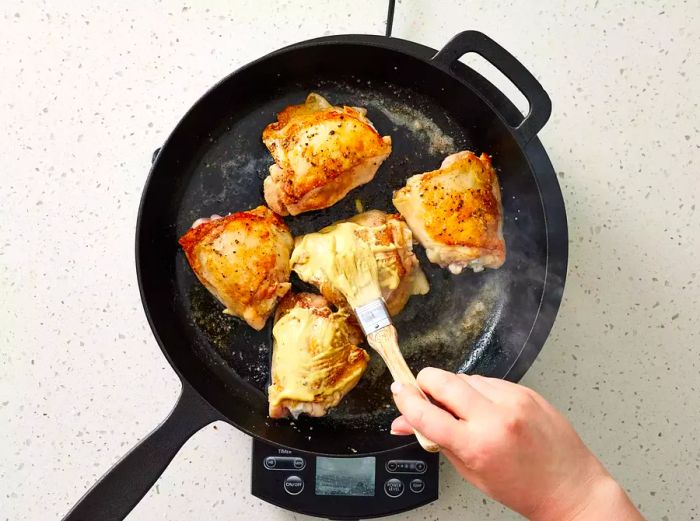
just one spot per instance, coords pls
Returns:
(355, 487)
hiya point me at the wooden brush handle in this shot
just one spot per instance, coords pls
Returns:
(385, 342)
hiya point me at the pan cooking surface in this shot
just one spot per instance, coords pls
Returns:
(461, 324)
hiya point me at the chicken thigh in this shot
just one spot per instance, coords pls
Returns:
(391, 241)
(315, 357)
(456, 214)
(243, 260)
(321, 152)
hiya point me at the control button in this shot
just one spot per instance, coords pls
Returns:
(293, 485)
(284, 463)
(417, 485)
(393, 487)
(406, 466)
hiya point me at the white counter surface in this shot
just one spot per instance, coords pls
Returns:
(88, 91)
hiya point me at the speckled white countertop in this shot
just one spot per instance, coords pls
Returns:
(88, 91)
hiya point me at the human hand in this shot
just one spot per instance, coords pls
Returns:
(513, 445)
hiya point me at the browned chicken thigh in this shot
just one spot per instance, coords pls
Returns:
(321, 152)
(316, 360)
(243, 260)
(456, 214)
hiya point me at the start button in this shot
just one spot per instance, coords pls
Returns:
(417, 485)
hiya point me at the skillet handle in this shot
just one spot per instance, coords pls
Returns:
(125, 484)
(474, 41)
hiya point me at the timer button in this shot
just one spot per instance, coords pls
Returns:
(420, 466)
(270, 462)
(293, 485)
(391, 466)
(299, 463)
(417, 485)
(393, 487)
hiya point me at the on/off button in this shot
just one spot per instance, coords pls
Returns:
(293, 485)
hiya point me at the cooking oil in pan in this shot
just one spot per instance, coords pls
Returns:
(439, 329)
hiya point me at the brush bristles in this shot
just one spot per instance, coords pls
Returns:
(355, 268)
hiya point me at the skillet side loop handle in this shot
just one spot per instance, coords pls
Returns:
(475, 41)
(125, 484)
(154, 155)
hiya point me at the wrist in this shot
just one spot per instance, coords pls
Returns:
(608, 501)
(600, 498)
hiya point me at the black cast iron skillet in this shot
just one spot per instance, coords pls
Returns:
(493, 323)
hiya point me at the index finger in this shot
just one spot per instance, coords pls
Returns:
(453, 392)
(428, 419)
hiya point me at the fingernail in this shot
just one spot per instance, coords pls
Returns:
(396, 387)
(393, 432)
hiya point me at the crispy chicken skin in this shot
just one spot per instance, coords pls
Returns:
(455, 212)
(391, 241)
(243, 260)
(321, 152)
(315, 357)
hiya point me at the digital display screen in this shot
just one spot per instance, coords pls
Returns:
(345, 476)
